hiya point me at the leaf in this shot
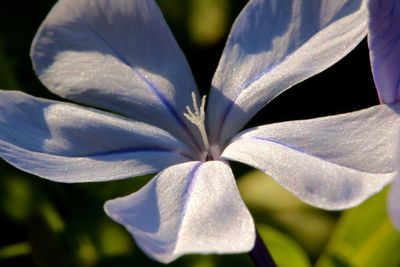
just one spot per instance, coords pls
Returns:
(364, 236)
(114, 240)
(284, 250)
(15, 250)
(17, 197)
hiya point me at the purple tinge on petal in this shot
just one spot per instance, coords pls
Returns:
(68, 143)
(154, 89)
(193, 207)
(384, 45)
(116, 55)
(334, 162)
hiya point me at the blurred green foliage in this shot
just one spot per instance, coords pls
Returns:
(364, 236)
(49, 224)
(285, 250)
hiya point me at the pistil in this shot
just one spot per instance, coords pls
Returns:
(197, 117)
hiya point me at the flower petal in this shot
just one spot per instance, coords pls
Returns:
(272, 46)
(68, 143)
(394, 203)
(193, 207)
(384, 45)
(334, 162)
(118, 55)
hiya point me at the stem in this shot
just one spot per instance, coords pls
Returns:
(260, 254)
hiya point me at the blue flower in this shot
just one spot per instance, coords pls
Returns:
(384, 45)
(120, 56)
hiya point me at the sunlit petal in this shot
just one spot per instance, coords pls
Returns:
(118, 55)
(333, 162)
(68, 143)
(188, 208)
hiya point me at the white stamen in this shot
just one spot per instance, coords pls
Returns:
(197, 117)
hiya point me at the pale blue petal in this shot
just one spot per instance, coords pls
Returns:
(394, 203)
(384, 45)
(192, 207)
(334, 162)
(118, 55)
(272, 46)
(67, 143)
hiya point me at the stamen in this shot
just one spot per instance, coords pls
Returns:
(197, 117)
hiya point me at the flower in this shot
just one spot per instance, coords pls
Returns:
(120, 56)
(384, 45)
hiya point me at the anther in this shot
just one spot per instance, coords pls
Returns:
(197, 117)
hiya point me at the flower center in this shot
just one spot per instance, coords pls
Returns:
(197, 117)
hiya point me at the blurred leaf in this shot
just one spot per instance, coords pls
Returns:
(205, 261)
(15, 250)
(16, 197)
(272, 204)
(194, 260)
(364, 236)
(51, 216)
(87, 253)
(115, 240)
(208, 21)
(285, 251)
(261, 192)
